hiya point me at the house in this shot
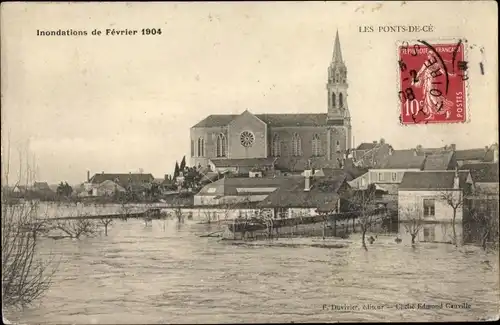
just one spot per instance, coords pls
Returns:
(474, 156)
(20, 189)
(238, 189)
(491, 154)
(484, 201)
(124, 180)
(307, 196)
(422, 151)
(349, 170)
(241, 166)
(484, 176)
(440, 161)
(106, 183)
(389, 174)
(371, 155)
(433, 193)
(41, 187)
(107, 188)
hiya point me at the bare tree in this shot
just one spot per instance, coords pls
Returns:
(75, 228)
(228, 207)
(484, 215)
(106, 222)
(25, 275)
(453, 199)
(176, 208)
(412, 219)
(208, 215)
(125, 210)
(362, 203)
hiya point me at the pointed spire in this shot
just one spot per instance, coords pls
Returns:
(337, 53)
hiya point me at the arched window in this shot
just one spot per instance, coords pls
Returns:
(221, 145)
(296, 145)
(201, 147)
(316, 145)
(276, 145)
(341, 100)
(334, 103)
(337, 146)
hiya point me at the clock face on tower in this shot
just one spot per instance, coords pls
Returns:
(247, 139)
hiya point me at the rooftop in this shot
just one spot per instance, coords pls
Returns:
(432, 180)
(403, 159)
(483, 172)
(471, 154)
(323, 194)
(440, 161)
(122, 179)
(366, 146)
(251, 162)
(276, 120)
(234, 186)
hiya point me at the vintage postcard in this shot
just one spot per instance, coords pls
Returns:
(257, 162)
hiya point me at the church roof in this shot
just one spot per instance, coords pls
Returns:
(276, 120)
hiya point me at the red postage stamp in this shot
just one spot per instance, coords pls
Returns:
(432, 79)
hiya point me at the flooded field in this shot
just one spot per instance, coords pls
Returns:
(165, 273)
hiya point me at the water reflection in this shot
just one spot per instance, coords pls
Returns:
(166, 273)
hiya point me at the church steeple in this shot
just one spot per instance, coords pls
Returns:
(337, 85)
(338, 117)
(337, 52)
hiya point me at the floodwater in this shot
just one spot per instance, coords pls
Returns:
(165, 273)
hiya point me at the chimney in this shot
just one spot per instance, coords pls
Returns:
(453, 146)
(307, 183)
(456, 180)
(382, 141)
(88, 176)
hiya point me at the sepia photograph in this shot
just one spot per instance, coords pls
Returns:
(249, 162)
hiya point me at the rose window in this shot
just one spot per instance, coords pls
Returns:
(247, 139)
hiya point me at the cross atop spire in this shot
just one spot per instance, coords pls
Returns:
(337, 53)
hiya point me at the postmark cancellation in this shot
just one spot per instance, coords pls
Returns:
(432, 82)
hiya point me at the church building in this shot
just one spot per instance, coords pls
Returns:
(287, 142)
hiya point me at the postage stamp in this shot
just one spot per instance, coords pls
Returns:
(432, 78)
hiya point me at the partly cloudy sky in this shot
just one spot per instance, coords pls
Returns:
(122, 103)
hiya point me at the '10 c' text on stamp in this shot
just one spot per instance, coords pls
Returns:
(432, 81)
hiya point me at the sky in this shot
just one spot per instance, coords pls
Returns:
(74, 104)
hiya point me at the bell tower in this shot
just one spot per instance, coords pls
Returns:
(338, 117)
